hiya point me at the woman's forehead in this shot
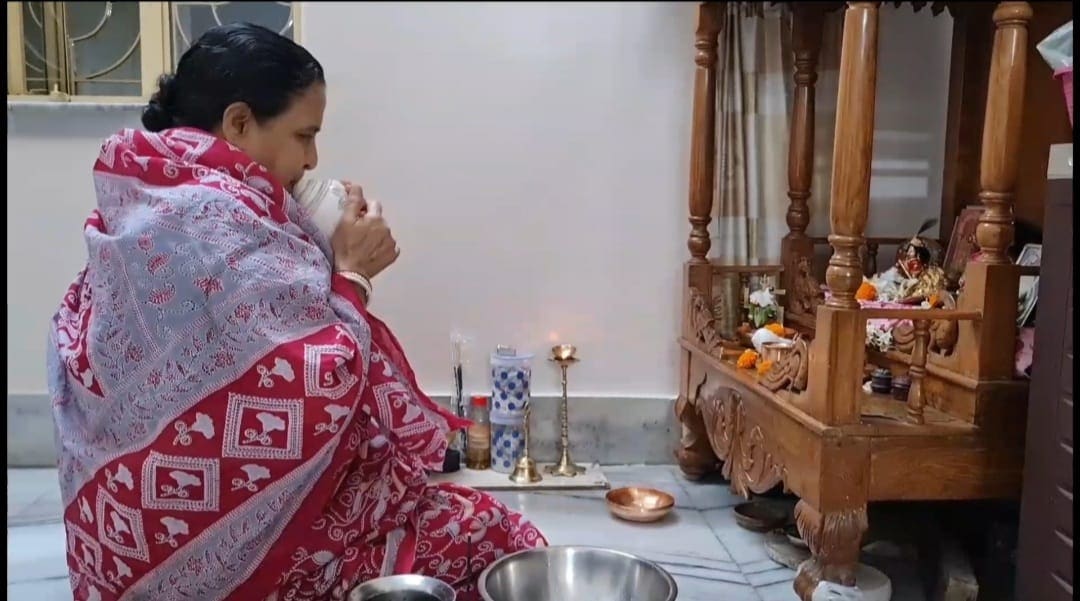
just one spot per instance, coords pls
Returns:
(307, 108)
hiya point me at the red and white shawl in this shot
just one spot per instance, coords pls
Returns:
(232, 423)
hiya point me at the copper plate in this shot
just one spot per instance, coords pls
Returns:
(639, 504)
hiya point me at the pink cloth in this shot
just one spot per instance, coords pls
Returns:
(1025, 337)
(233, 423)
(1025, 348)
(886, 323)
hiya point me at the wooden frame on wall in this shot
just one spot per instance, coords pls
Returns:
(155, 51)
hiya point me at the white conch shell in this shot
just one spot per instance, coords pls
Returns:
(762, 337)
(321, 201)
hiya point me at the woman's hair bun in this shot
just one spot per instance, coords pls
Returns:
(158, 114)
(238, 62)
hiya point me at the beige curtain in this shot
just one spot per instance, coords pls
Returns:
(753, 100)
(752, 124)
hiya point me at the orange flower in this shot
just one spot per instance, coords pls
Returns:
(866, 292)
(935, 301)
(747, 359)
(775, 328)
(764, 367)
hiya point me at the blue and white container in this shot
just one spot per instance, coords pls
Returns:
(511, 376)
(507, 441)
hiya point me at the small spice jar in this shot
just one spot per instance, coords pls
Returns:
(478, 449)
(881, 381)
(900, 387)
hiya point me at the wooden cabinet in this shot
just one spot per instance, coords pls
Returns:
(1045, 564)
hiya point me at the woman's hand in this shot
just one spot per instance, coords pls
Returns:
(362, 241)
(354, 193)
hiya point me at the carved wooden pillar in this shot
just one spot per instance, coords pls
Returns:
(835, 389)
(703, 136)
(806, 39)
(695, 457)
(1001, 132)
(916, 396)
(991, 281)
(852, 151)
(968, 71)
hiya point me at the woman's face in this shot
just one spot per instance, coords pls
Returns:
(284, 144)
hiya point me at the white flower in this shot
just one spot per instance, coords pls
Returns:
(878, 334)
(890, 285)
(763, 298)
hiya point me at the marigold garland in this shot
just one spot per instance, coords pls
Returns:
(866, 292)
(775, 328)
(747, 359)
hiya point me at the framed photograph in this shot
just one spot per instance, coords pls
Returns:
(962, 245)
(1030, 255)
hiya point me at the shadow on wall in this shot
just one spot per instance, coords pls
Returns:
(909, 127)
(901, 185)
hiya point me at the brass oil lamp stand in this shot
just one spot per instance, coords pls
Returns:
(563, 354)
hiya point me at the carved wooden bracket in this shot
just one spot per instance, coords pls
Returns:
(943, 332)
(694, 455)
(806, 293)
(749, 464)
(792, 370)
(703, 326)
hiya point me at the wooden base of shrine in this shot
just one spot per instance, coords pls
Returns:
(759, 439)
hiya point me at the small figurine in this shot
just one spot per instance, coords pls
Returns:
(915, 264)
(915, 277)
(808, 293)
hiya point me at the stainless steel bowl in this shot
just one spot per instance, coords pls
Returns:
(403, 587)
(573, 573)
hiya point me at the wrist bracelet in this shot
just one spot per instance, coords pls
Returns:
(359, 280)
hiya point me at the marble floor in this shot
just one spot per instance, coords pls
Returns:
(710, 557)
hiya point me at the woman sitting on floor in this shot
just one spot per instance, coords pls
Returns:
(232, 421)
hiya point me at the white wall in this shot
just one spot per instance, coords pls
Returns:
(49, 196)
(532, 159)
